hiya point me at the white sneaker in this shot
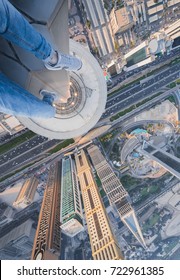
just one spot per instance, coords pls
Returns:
(48, 96)
(65, 61)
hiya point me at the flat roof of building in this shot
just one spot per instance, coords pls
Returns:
(173, 28)
(133, 51)
(12, 122)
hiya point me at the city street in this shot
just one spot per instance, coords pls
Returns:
(22, 155)
(126, 98)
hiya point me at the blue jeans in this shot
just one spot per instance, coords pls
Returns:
(15, 100)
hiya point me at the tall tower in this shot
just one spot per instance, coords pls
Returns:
(71, 210)
(116, 193)
(27, 192)
(103, 243)
(128, 217)
(47, 240)
(76, 91)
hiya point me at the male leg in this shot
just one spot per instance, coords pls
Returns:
(15, 100)
(16, 29)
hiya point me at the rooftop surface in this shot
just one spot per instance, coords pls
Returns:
(51, 20)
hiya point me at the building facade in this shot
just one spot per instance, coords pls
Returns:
(103, 243)
(27, 192)
(17, 243)
(10, 124)
(150, 12)
(121, 25)
(47, 240)
(100, 26)
(71, 210)
(116, 193)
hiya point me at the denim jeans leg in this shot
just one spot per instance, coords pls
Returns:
(14, 100)
(16, 29)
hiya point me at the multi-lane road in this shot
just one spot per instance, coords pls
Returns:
(124, 98)
(26, 146)
(127, 97)
(25, 153)
(159, 61)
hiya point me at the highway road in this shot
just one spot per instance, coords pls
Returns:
(124, 75)
(126, 98)
(7, 137)
(26, 146)
(29, 171)
(25, 153)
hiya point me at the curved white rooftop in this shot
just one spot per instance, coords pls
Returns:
(94, 87)
(153, 45)
(81, 105)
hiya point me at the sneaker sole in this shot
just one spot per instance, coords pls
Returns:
(55, 96)
(63, 68)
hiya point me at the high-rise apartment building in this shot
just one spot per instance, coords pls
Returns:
(136, 10)
(47, 240)
(99, 26)
(121, 25)
(115, 192)
(27, 192)
(71, 209)
(17, 243)
(157, 10)
(103, 243)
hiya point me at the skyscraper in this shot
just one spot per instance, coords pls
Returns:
(116, 193)
(100, 26)
(71, 209)
(121, 24)
(27, 192)
(103, 243)
(47, 239)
